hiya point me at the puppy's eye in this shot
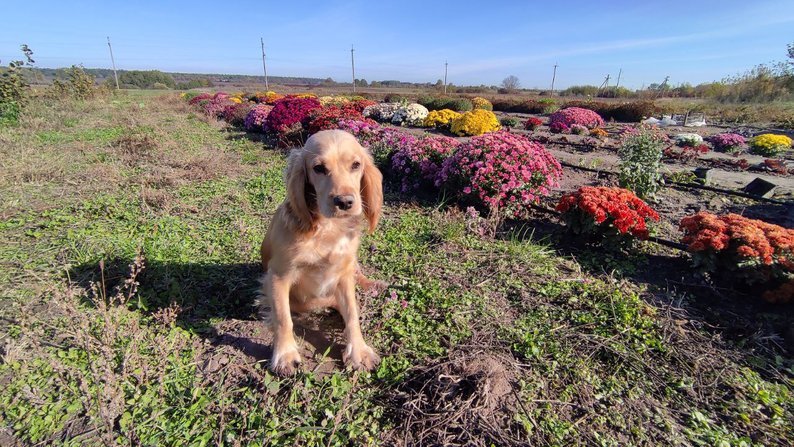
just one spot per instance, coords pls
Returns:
(356, 165)
(321, 169)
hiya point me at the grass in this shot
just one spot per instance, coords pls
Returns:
(129, 245)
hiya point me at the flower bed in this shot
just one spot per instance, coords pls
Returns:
(577, 115)
(418, 164)
(769, 144)
(255, 119)
(476, 122)
(501, 171)
(604, 213)
(749, 251)
(383, 112)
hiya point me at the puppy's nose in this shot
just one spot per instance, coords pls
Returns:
(344, 202)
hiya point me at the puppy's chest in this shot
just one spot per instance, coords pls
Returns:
(328, 250)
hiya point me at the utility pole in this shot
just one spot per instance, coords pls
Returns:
(553, 78)
(603, 85)
(618, 83)
(446, 66)
(264, 65)
(353, 64)
(113, 61)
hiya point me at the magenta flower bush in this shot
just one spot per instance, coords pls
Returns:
(255, 120)
(288, 114)
(577, 115)
(235, 114)
(728, 142)
(419, 163)
(558, 127)
(502, 171)
(215, 106)
(381, 141)
(197, 99)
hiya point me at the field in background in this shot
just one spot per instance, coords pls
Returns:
(129, 240)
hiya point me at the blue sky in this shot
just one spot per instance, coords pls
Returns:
(694, 41)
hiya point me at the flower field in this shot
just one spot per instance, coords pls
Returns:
(542, 289)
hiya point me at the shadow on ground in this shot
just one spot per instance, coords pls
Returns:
(218, 303)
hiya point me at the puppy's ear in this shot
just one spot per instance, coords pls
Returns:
(300, 193)
(371, 191)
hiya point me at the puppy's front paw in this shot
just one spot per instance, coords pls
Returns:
(285, 361)
(361, 357)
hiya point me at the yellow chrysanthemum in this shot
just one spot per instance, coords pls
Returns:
(440, 118)
(482, 103)
(770, 144)
(476, 122)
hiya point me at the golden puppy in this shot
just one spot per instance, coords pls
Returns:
(309, 252)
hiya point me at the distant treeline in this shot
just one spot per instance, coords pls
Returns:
(156, 79)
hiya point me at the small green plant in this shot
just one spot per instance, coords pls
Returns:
(641, 161)
(509, 122)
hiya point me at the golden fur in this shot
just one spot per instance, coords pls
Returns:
(309, 251)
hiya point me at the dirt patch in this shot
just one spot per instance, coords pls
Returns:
(467, 398)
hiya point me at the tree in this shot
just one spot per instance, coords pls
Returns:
(511, 83)
(791, 53)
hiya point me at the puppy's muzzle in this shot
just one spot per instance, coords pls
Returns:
(345, 202)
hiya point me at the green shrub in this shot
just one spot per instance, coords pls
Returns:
(9, 113)
(440, 103)
(78, 84)
(394, 97)
(13, 87)
(159, 86)
(145, 78)
(641, 161)
(509, 122)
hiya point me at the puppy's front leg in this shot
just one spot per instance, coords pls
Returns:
(358, 354)
(285, 358)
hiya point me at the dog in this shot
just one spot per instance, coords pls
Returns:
(309, 253)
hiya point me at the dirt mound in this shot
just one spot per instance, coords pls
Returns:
(466, 398)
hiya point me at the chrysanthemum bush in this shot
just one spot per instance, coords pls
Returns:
(640, 154)
(476, 122)
(500, 171)
(753, 252)
(599, 133)
(482, 103)
(577, 115)
(381, 141)
(255, 119)
(328, 117)
(235, 114)
(559, 127)
(288, 114)
(533, 123)
(440, 119)
(410, 115)
(731, 143)
(612, 215)
(769, 144)
(688, 139)
(382, 112)
(419, 163)
(268, 97)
